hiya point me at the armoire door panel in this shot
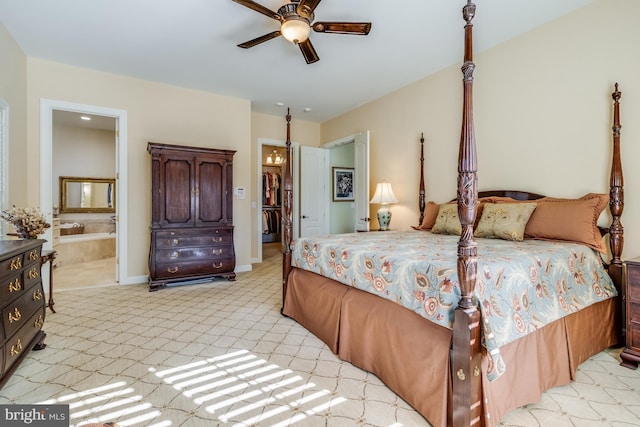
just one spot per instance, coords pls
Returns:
(178, 191)
(210, 209)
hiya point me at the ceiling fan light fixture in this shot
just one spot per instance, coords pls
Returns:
(295, 29)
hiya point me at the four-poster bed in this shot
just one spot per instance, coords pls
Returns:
(464, 345)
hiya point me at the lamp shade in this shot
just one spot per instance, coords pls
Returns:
(384, 194)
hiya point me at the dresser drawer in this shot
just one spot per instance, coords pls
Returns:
(31, 275)
(16, 313)
(20, 342)
(11, 265)
(11, 287)
(194, 253)
(167, 270)
(176, 239)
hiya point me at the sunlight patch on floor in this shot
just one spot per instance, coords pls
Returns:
(122, 405)
(245, 389)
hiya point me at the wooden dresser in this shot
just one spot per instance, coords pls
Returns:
(192, 214)
(22, 302)
(631, 353)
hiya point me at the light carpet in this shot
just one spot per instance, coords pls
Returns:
(221, 354)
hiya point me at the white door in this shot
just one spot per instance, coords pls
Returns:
(313, 191)
(116, 217)
(361, 185)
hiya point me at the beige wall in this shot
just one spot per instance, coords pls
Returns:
(274, 128)
(155, 112)
(542, 116)
(13, 90)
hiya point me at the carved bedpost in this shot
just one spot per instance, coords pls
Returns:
(421, 198)
(616, 205)
(616, 185)
(467, 403)
(287, 222)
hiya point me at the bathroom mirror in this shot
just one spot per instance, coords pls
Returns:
(90, 195)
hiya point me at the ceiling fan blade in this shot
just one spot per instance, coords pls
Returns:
(308, 52)
(259, 8)
(258, 40)
(306, 7)
(358, 28)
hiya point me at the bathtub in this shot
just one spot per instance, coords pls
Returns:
(76, 248)
(84, 237)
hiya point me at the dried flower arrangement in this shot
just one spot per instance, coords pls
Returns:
(28, 222)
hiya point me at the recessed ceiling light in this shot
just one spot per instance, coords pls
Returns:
(280, 104)
(307, 109)
(85, 118)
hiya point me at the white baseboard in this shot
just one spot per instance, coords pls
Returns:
(243, 268)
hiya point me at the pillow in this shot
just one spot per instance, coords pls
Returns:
(447, 221)
(430, 214)
(504, 220)
(574, 220)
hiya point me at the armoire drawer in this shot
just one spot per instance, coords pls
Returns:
(175, 239)
(167, 270)
(194, 253)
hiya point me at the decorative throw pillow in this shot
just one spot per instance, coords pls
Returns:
(504, 220)
(447, 221)
(430, 214)
(574, 220)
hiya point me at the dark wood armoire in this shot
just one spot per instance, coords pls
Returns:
(191, 214)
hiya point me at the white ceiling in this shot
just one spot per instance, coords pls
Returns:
(192, 43)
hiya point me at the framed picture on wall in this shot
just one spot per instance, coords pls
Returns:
(343, 184)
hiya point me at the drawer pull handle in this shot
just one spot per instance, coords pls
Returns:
(37, 295)
(16, 348)
(173, 255)
(217, 265)
(15, 316)
(217, 251)
(39, 322)
(173, 242)
(33, 255)
(172, 270)
(15, 286)
(33, 273)
(16, 264)
(216, 239)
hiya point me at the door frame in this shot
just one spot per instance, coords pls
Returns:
(351, 139)
(46, 171)
(294, 153)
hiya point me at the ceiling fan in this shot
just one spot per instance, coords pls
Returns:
(296, 22)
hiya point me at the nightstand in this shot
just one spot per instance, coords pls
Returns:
(631, 353)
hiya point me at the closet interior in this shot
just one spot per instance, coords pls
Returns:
(272, 171)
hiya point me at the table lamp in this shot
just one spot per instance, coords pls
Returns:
(383, 196)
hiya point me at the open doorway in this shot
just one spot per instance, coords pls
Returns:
(90, 154)
(84, 207)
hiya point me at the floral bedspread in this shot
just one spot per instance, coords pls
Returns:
(521, 286)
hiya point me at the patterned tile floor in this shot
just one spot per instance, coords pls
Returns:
(221, 354)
